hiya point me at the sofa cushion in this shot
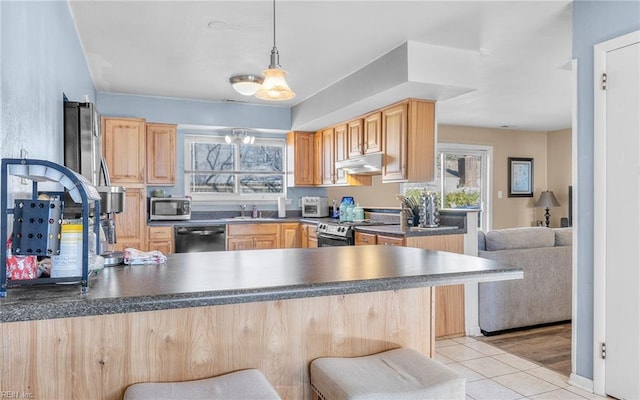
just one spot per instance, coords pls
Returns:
(519, 238)
(481, 241)
(564, 236)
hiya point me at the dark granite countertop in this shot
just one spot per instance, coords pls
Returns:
(216, 278)
(396, 230)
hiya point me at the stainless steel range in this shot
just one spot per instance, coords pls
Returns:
(342, 233)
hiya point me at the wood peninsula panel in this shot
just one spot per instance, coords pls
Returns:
(98, 357)
(449, 300)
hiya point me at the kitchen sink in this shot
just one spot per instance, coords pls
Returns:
(245, 218)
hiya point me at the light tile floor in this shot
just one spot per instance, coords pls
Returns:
(493, 374)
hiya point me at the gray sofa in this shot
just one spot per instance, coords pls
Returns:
(543, 296)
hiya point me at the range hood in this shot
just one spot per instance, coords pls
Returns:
(368, 164)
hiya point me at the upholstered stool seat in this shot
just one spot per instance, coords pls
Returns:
(248, 384)
(400, 374)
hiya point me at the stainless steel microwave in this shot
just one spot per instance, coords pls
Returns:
(169, 208)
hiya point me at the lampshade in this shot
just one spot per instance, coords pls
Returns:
(246, 85)
(547, 200)
(275, 86)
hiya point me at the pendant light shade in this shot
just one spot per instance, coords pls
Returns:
(275, 86)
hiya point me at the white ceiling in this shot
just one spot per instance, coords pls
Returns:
(189, 49)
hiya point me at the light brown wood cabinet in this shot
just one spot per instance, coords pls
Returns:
(408, 138)
(362, 238)
(137, 154)
(390, 240)
(290, 235)
(253, 236)
(341, 148)
(332, 147)
(161, 154)
(300, 158)
(124, 149)
(394, 138)
(309, 238)
(365, 135)
(161, 239)
(131, 225)
(404, 132)
(328, 168)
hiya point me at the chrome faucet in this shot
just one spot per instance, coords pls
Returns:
(243, 207)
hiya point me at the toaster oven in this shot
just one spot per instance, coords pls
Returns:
(315, 207)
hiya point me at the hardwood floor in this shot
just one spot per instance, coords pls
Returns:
(548, 346)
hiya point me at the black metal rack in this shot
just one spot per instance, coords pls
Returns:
(46, 243)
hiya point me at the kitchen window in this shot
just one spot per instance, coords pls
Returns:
(463, 178)
(218, 171)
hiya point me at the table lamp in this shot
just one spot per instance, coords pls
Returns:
(547, 200)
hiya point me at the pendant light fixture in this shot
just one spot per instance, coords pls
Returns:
(246, 85)
(275, 86)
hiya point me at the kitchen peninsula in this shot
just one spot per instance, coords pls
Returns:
(205, 314)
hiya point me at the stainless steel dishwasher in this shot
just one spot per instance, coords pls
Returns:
(193, 239)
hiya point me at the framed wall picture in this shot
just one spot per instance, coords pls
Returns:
(520, 177)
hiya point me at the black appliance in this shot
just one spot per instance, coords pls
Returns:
(193, 239)
(342, 233)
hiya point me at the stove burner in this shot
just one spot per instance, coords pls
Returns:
(345, 228)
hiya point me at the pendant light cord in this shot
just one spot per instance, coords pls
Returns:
(274, 23)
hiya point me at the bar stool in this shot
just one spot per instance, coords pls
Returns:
(400, 374)
(249, 384)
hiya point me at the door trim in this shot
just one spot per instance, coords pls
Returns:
(600, 51)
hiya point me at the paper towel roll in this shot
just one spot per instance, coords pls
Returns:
(281, 207)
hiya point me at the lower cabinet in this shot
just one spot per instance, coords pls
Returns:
(362, 238)
(161, 239)
(290, 235)
(131, 225)
(308, 236)
(253, 236)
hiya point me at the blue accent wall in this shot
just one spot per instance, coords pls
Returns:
(593, 22)
(41, 58)
(195, 112)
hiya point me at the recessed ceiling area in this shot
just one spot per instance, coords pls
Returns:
(190, 49)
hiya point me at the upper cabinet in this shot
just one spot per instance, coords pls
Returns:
(341, 152)
(365, 135)
(403, 132)
(408, 139)
(333, 146)
(124, 149)
(394, 139)
(300, 158)
(328, 154)
(161, 154)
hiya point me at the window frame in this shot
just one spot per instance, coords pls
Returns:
(237, 195)
(486, 153)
